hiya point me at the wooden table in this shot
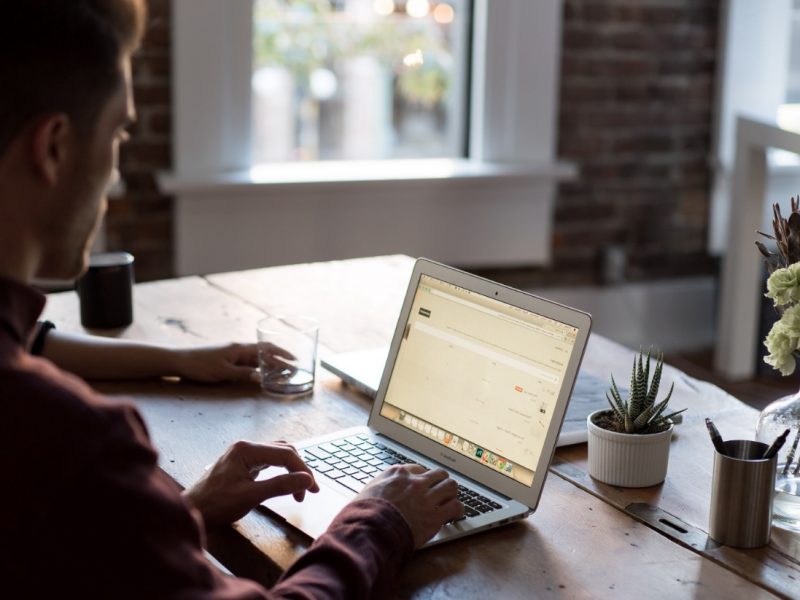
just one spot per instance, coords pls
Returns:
(586, 540)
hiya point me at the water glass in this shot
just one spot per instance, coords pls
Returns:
(287, 354)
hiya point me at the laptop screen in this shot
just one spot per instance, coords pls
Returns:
(479, 376)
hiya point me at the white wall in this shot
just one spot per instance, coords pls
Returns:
(672, 315)
(752, 76)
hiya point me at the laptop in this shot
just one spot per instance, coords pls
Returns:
(476, 381)
(362, 369)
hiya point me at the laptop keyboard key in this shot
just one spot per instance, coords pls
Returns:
(323, 468)
(334, 474)
(318, 453)
(470, 512)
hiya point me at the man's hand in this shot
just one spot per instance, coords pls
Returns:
(229, 489)
(229, 362)
(426, 498)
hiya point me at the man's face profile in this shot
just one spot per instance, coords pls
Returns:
(79, 196)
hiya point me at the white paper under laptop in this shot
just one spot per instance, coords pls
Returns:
(477, 381)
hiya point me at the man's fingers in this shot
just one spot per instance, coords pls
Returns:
(435, 476)
(414, 469)
(451, 510)
(282, 485)
(260, 456)
(271, 351)
(278, 351)
(274, 363)
(444, 491)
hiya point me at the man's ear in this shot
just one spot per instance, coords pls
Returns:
(50, 146)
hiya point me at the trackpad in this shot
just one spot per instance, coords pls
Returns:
(313, 515)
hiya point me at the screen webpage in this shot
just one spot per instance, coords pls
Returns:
(479, 376)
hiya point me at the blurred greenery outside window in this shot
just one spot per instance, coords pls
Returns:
(359, 79)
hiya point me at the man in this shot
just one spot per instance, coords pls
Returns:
(85, 510)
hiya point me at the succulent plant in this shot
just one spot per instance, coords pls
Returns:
(786, 238)
(640, 413)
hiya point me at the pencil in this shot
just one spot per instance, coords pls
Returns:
(776, 445)
(716, 438)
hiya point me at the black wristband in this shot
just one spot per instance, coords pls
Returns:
(38, 343)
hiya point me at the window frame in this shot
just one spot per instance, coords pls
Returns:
(512, 102)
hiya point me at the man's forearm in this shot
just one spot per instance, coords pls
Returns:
(101, 358)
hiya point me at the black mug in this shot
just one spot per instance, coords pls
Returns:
(106, 291)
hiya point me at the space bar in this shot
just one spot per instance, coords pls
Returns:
(351, 483)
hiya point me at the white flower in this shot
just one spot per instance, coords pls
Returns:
(782, 340)
(783, 286)
(791, 320)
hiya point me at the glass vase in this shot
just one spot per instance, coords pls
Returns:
(776, 418)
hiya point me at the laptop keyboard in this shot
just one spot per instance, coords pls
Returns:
(353, 461)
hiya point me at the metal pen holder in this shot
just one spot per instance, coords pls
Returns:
(742, 489)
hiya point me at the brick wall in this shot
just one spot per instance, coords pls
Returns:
(636, 111)
(141, 221)
(636, 99)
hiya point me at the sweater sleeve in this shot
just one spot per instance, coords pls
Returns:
(358, 557)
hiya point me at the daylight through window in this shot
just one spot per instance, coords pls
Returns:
(359, 79)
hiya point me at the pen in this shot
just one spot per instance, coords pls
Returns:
(715, 437)
(776, 445)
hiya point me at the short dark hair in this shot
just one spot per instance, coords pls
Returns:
(62, 56)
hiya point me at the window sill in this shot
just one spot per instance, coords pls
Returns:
(299, 175)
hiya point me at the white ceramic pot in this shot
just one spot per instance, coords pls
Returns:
(627, 460)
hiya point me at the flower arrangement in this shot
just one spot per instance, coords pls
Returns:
(783, 287)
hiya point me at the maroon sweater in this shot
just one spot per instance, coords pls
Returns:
(86, 513)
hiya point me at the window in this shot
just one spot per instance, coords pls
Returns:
(477, 195)
(789, 111)
(358, 79)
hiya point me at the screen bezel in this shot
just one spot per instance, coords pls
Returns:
(527, 494)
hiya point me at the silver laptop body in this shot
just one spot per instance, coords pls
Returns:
(477, 381)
